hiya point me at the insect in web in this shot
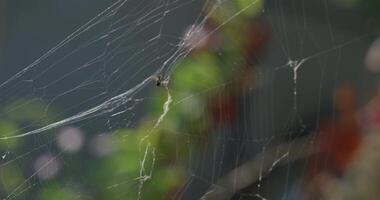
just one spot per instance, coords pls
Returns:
(160, 81)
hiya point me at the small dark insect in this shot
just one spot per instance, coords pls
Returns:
(159, 80)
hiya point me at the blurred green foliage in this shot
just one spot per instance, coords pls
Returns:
(146, 160)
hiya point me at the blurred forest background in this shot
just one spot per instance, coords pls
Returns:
(245, 123)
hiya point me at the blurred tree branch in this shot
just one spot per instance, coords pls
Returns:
(260, 166)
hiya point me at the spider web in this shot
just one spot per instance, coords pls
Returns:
(101, 79)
